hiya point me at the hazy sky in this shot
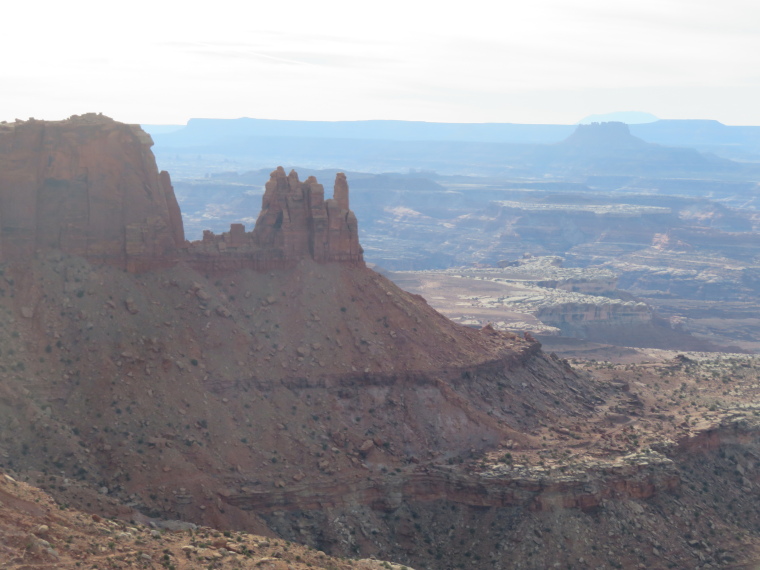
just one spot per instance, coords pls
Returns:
(532, 61)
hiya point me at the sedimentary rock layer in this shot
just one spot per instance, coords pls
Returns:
(88, 186)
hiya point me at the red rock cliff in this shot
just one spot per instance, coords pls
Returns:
(88, 186)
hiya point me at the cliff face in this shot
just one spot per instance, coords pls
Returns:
(573, 315)
(295, 223)
(88, 186)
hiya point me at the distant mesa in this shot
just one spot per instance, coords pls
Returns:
(612, 135)
(628, 117)
(609, 148)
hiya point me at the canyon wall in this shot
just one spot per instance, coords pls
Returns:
(570, 317)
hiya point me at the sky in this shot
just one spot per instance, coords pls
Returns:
(537, 61)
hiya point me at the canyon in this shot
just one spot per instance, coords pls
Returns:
(270, 382)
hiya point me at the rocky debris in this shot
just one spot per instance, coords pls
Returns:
(193, 407)
(88, 186)
(200, 293)
(562, 451)
(296, 222)
(223, 312)
(131, 306)
(652, 492)
(70, 539)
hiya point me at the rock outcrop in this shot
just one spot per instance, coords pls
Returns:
(88, 186)
(295, 223)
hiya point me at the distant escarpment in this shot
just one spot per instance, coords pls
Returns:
(88, 186)
(296, 222)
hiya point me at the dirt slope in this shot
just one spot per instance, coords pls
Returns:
(38, 533)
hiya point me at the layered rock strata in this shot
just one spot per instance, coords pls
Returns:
(638, 476)
(295, 223)
(88, 186)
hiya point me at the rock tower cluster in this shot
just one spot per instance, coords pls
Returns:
(296, 222)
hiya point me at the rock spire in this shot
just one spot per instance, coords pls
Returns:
(296, 222)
